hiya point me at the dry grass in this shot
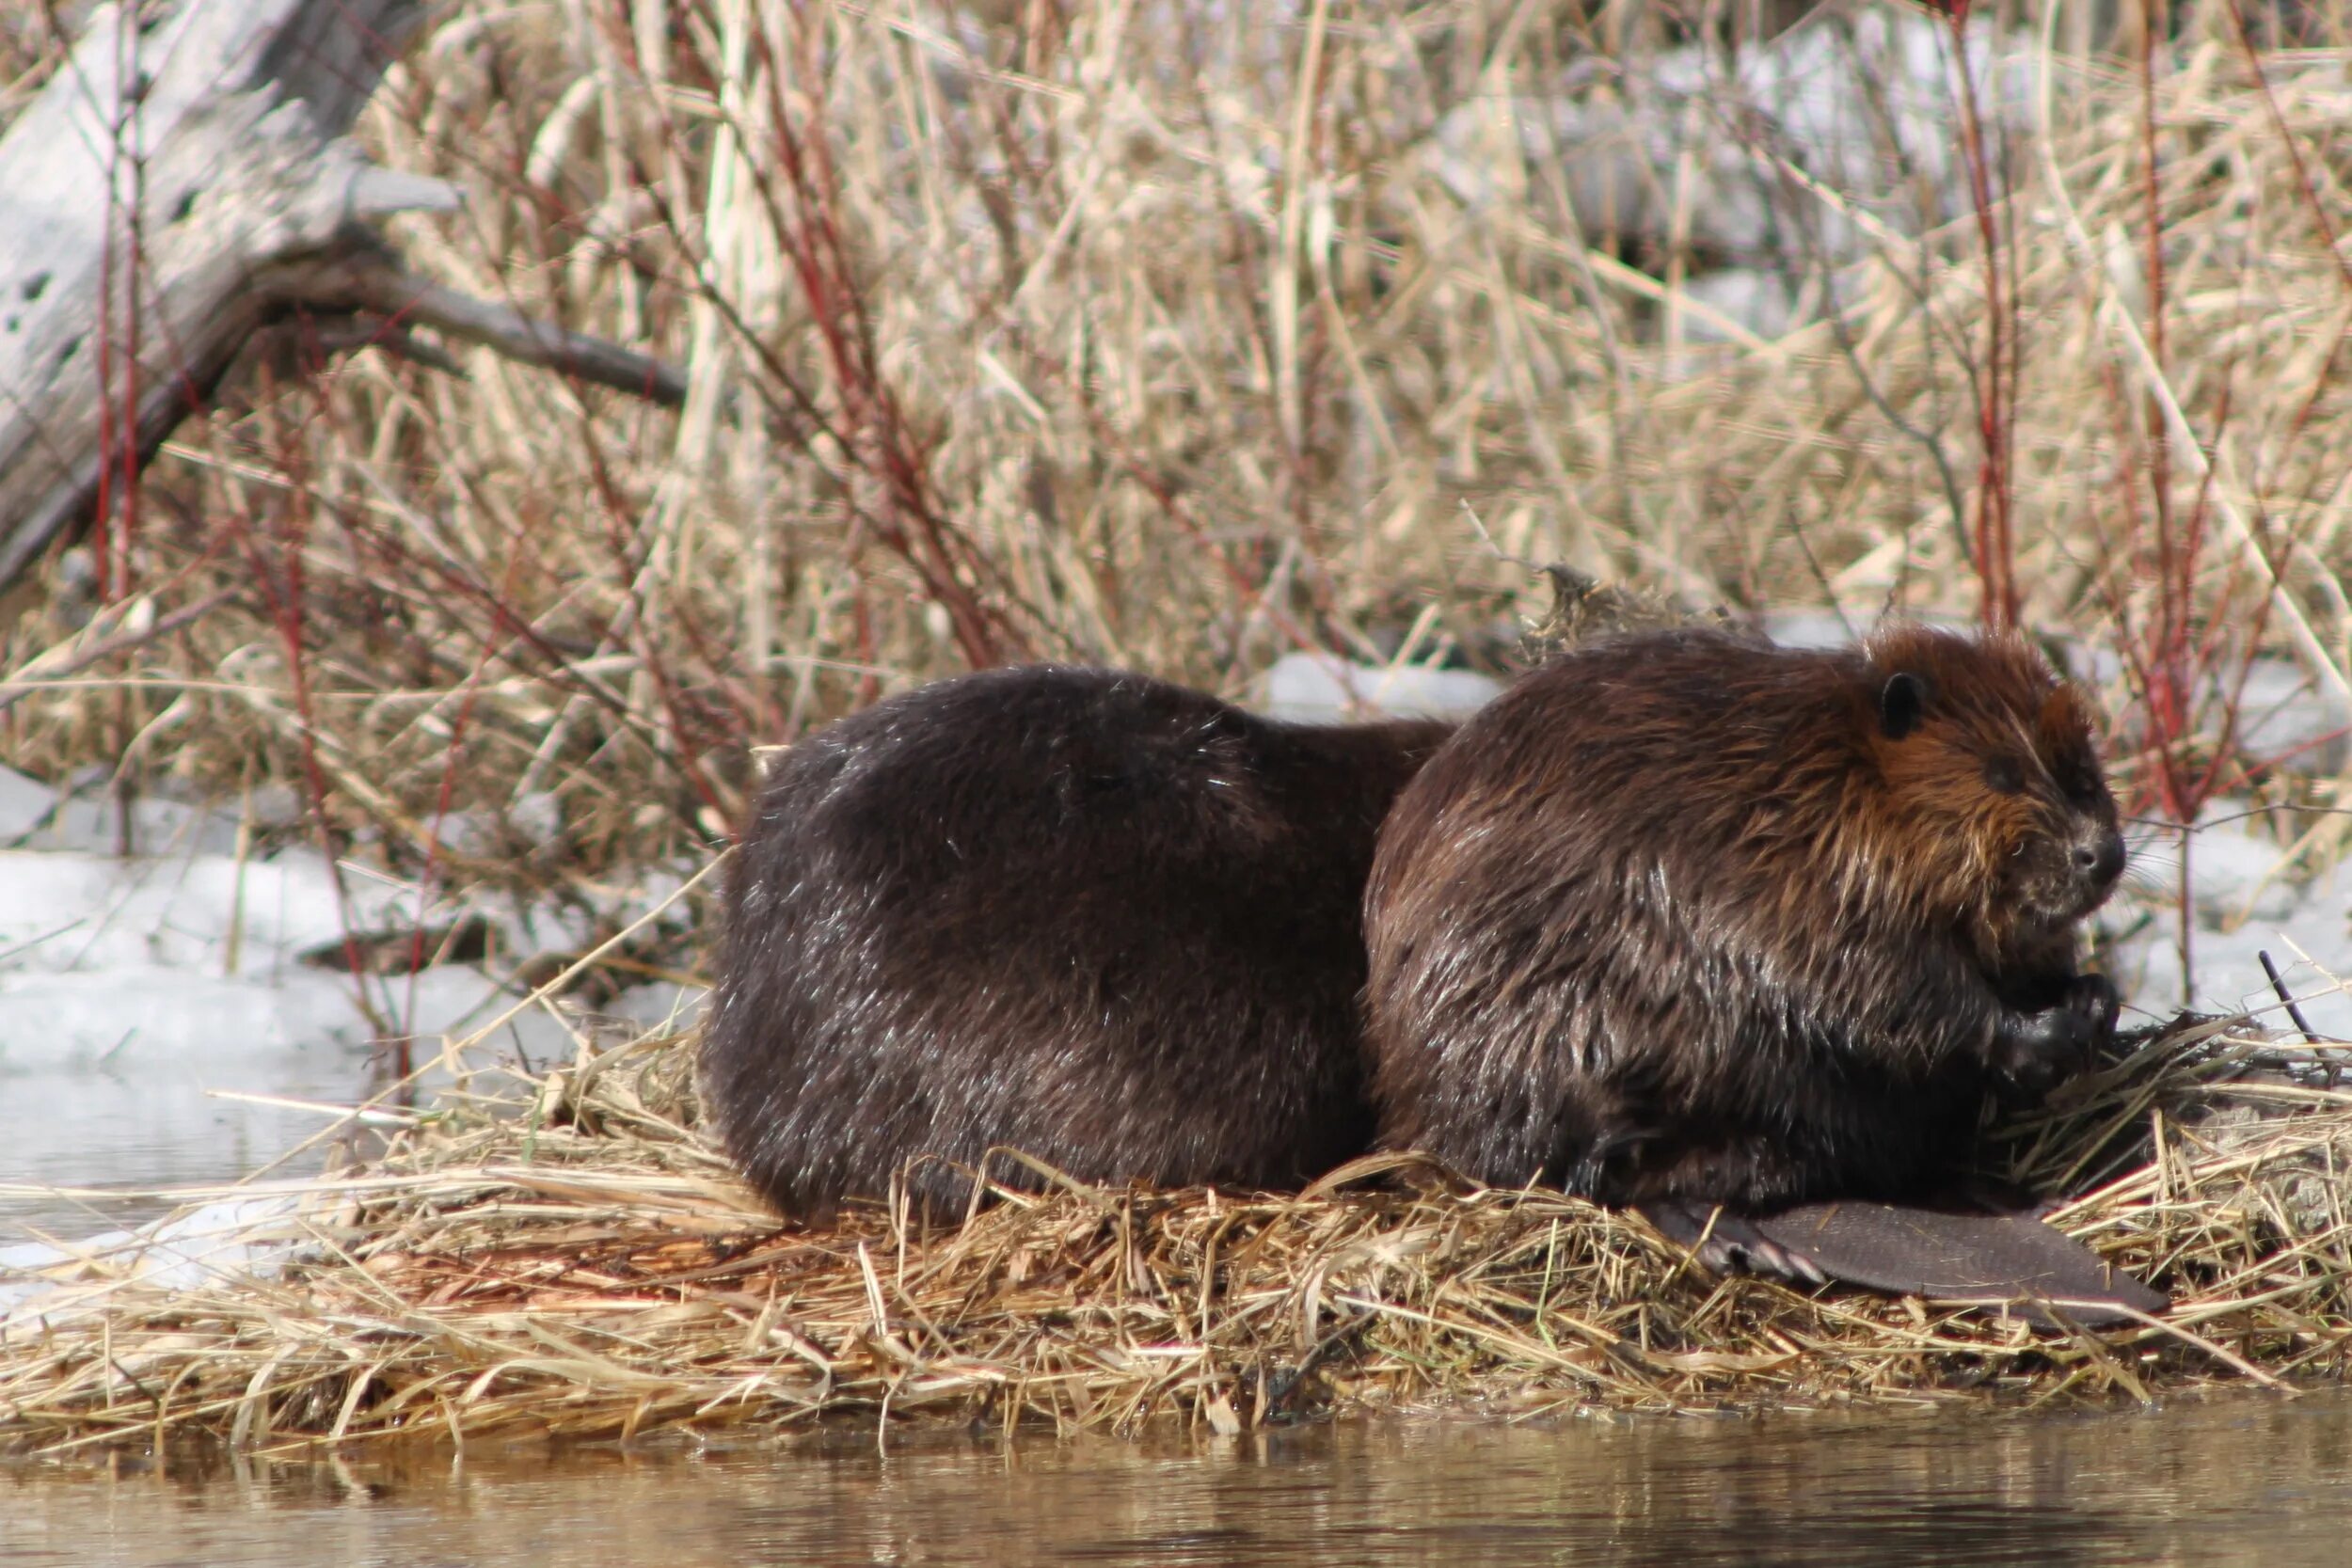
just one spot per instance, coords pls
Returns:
(1112, 332)
(564, 1258)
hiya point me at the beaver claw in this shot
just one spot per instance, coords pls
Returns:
(2038, 1051)
(1724, 1243)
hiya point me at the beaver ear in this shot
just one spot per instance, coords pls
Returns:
(1902, 701)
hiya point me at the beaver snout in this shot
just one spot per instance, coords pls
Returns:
(2063, 874)
(2098, 858)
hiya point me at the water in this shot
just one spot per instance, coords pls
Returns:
(2240, 1479)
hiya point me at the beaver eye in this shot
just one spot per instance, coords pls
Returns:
(2004, 775)
(1902, 702)
(2077, 779)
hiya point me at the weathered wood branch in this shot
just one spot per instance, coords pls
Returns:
(138, 195)
(171, 190)
(372, 285)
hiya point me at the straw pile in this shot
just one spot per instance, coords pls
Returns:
(567, 1259)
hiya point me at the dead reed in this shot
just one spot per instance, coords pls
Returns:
(562, 1258)
(1176, 336)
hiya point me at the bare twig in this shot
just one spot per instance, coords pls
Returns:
(30, 679)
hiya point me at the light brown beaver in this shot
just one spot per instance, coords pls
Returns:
(1108, 921)
(1684, 920)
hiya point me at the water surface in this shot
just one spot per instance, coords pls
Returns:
(2242, 1480)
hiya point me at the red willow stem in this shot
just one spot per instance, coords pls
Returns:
(1996, 541)
(135, 255)
(820, 265)
(2175, 567)
(283, 600)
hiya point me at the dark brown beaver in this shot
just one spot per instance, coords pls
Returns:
(1108, 921)
(1685, 918)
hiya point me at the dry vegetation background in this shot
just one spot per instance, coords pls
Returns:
(1178, 335)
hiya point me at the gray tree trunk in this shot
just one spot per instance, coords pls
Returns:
(141, 196)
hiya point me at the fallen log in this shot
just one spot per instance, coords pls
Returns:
(173, 187)
(139, 194)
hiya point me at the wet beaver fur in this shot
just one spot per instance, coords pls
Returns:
(1108, 921)
(1684, 920)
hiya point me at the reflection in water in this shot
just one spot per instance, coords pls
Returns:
(148, 1126)
(2250, 1481)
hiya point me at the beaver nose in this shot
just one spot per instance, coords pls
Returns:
(2100, 860)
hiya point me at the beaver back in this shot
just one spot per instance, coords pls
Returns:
(1108, 921)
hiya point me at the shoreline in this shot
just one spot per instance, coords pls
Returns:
(560, 1256)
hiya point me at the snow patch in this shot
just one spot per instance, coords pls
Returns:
(248, 1237)
(1323, 689)
(24, 804)
(133, 986)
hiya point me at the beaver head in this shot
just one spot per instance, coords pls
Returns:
(1987, 753)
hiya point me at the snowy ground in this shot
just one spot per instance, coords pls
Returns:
(142, 994)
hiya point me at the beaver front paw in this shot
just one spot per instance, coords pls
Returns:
(2035, 1052)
